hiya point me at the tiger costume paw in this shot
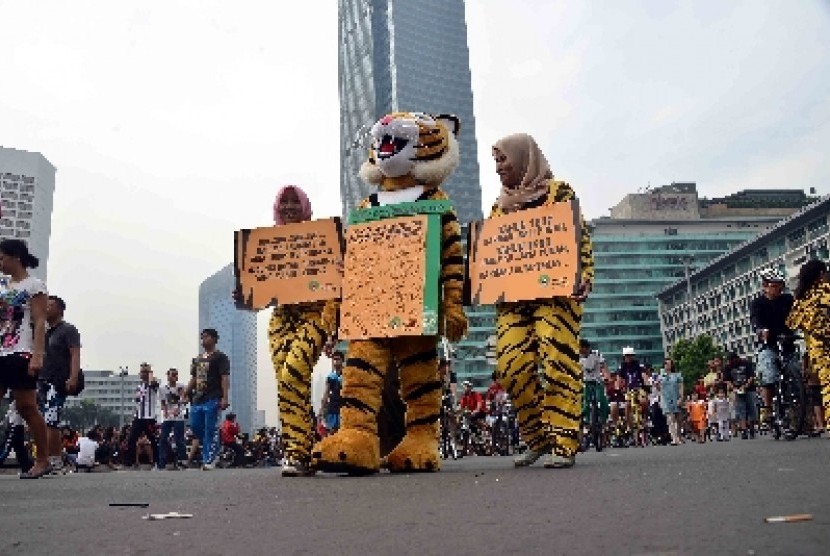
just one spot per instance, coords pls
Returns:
(456, 323)
(418, 451)
(349, 451)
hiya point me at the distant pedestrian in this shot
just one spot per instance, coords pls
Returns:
(144, 417)
(171, 395)
(60, 375)
(671, 397)
(87, 447)
(208, 388)
(331, 397)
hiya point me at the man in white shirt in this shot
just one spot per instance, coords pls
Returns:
(171, 396)
(86, 450)
(146, 408)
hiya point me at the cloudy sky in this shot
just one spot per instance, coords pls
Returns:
(173, 123)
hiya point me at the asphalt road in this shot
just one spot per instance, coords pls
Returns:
(689, 499)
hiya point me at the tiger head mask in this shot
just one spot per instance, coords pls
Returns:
(411, 148)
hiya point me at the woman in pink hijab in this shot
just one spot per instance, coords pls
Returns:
(297, 334)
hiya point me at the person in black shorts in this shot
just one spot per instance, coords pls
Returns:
(23, 342)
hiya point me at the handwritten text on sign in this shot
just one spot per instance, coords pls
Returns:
(526, 255)
(385, 273)
(289, 264)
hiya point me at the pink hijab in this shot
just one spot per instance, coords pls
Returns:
(304, 203)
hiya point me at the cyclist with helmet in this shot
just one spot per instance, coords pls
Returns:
(768, 314)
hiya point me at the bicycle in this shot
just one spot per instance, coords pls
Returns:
(448, 447)
(501, 434)
(632, 399)
(593, 432)
(789, 395)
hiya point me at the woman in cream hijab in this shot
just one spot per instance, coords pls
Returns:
(545, 331)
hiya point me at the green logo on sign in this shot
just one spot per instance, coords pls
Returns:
(394, 322)
(544, 279)
(314, 285)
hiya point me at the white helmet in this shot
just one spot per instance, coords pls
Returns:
(771, 275)
(628, 350)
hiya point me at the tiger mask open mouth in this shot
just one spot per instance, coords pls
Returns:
(412, 144)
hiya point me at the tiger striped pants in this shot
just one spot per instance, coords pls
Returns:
(415, 358)
(545, 333)
(818, 349)
(296, 338)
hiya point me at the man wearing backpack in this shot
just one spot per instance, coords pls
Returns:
(60, 376)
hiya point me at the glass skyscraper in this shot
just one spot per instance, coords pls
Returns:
(410, 57)
(237, 339)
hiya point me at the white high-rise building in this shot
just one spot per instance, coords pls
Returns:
(27, 185)
(237, 339)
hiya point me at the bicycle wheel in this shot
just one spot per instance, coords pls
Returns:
(778, 412)
(5, 440)
(596, 427)
(796, 407)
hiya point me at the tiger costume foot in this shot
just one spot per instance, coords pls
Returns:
(417, 452)
(349, 451)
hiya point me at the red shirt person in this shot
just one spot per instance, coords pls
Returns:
(229, 430)
(472, 400)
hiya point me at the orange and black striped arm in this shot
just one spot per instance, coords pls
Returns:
(586, 251)
(452, 255)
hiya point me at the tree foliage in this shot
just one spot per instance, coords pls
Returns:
(690, 357)
(88, 414)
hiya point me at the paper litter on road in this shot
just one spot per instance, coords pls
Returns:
(789, 518)
(170, 515)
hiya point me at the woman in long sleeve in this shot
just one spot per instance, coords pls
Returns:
(811, 315)
(297, 334)
(541, 332)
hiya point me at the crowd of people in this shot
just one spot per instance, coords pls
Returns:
(546, 375)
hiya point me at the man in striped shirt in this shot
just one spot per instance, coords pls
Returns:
(144, 418)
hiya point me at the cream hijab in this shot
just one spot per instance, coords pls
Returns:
(527, 159)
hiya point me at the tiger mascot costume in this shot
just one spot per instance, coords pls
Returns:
(412, 154)
(296, 334)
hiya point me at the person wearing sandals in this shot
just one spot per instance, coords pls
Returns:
(23, 342)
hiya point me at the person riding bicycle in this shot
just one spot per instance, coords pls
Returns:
(496, 396)
(768, 315)
(594, 381)
(616, 396)
(632, 374)
(473, 402)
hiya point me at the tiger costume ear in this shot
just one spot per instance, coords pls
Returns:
(451, 122)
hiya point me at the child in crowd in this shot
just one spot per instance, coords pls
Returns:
(719, 411)
(697, 416)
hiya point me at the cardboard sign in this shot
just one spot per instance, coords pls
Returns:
(525, 255)
(289, 264)
(392, 273)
